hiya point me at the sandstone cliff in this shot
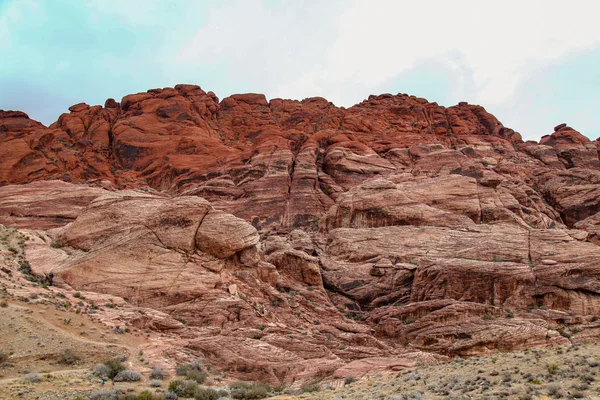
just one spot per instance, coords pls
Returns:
(296, 238)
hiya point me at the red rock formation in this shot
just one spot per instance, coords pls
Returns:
(296, 237)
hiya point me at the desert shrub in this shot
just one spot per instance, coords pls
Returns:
(197, 376)
(249, 391)
(183, 388)
(310, 387)
(195, 365)
(206, 394)
(109, 369)
(131, 397)
(32, 377)
(115, 367)
(279, 388)
(3, 303)
(127, 375)
(554, 390)
(56, 245)
(113, 394)
(349, 379)
(121, 358)
(157, 373)
(552, 369)
(169, 395)
(145, 395)
(3, 357)
(564, 333)
(25, 268)
(102, 370)
(155, 383)
(68, 357)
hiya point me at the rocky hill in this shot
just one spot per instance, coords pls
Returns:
(284, 240)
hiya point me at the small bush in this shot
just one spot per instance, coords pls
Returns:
(68, 357)
(56, 245)
(197, 376)
(3, 303)
(310, 387)
(183, 388)
(552, 369)
(249, 391)
(127, 375)
(3, 357)
(169, 395)
(564, 333)
(279, 388)
(145, 395)
(349, 379)
(109, 369)
(102, 371)
(157, 373)
(106, 394)
(155, 383)
(206, 394)
(554, 390)
(185, 369)
(32, 377)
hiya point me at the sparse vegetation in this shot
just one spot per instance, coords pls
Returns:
(185, 388)
(68, 357)
(158, 373)
(109, 369)
(249, 391)
(127, 375)
(310, 387)
(32, 377)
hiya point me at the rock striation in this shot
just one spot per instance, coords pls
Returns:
(286, 239)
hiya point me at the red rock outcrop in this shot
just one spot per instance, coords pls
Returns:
(297, 238)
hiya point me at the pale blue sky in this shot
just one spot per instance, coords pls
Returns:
(534, 64)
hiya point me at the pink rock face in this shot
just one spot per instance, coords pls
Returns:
(296, 238)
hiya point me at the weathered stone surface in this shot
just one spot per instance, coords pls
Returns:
(296, 238)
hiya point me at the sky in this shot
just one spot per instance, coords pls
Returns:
(533, 64)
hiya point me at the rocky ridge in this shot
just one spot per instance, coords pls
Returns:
(289, 239)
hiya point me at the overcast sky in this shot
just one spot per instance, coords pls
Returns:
(533, 64)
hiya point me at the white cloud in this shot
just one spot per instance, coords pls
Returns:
(348, 50)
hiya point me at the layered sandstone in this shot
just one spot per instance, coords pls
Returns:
(297, 238)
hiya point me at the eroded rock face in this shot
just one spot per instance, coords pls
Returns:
(285, 239)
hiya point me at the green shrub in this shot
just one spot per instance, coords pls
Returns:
(349, 379)
(145, 395)
(206, 394)
(279, 388)
(249, 391)
(109, 369)
(564, 333)
(183, 388)
(310, 387)
(197, 376)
